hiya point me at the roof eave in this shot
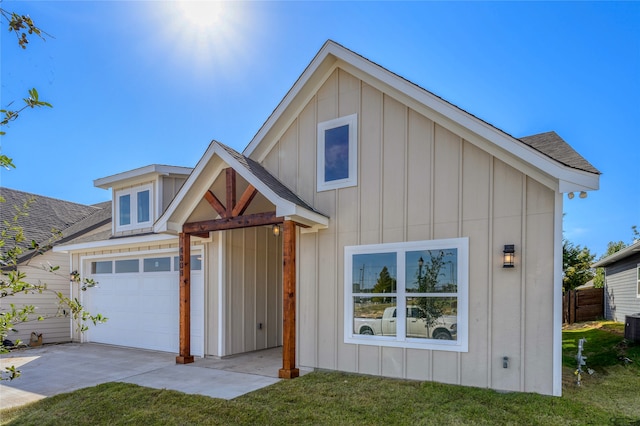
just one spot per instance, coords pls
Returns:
(331, 52)
(112, 243)
(173, 220)
(152, 170)
(619, 255)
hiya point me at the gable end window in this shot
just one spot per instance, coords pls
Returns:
(337, 153)
(133, 208)
(410, 295)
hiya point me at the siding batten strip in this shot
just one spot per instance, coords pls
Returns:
(523, 285)
(432, 208)
(405, 210)
(490, 274)
(557, 296)
(460, 216)
(337, 296)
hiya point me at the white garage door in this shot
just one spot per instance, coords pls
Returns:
(140, 298)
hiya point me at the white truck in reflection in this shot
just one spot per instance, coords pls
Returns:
(445, 327)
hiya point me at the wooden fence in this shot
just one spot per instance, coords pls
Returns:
(582, 305)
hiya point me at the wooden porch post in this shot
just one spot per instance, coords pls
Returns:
(185, 356)
(289, 370)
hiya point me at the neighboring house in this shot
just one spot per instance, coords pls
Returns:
(621, 283)
(361, 192)
(48, 222)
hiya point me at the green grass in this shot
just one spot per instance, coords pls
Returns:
(610, 396)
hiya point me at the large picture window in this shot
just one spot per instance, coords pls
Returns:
(337, 153)
(133, 208)
(412, 294)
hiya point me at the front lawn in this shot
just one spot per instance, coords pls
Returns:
(609, 396)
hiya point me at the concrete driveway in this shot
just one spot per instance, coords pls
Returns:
(54, 369)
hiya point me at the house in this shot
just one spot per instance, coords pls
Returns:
(622, 282)
(48, 222)
(363, 196)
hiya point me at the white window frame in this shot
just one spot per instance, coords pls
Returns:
(461, 344)
(133, 206)
(638, 282)
(352, 179)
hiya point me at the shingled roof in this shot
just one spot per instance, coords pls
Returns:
(267, 178)
(553, 146)
(50, 221)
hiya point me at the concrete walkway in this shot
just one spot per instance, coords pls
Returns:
(54, 369)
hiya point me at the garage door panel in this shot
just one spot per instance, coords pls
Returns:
(143, 310)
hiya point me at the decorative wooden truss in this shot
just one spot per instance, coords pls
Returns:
(232, 217)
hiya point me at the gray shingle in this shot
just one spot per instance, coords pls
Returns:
(46, 216)
(552, 145)
(268, 179)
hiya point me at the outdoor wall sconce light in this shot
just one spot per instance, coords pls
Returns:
(582, 194)
(276, 230)
(509, 255)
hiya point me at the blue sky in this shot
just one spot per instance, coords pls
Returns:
(145, 82)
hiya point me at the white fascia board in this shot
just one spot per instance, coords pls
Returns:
(627, 251)
(579, 181)
(114, 243)
(303, 216)
(166, 222)
(153, 169)
(474, 124)
(442, 107)
(283, 207)
(320, 57)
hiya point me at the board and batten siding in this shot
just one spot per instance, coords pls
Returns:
(253, 290)
(55, 328)
(621, 289)
(418, 180)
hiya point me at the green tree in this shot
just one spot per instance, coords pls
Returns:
(385, 284)
(576, 265)
(13, 241)
(23, 27)
(427, 283)
(613, 247)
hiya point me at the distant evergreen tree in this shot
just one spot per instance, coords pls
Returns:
(385, 284)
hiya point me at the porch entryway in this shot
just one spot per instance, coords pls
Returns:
(228, 191)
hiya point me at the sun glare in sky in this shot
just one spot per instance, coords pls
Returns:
(202, 16)
(206, 34)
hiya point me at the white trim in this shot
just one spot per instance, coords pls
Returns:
(133, 194)
(557, 297)
(332, 51)
(283, 207)
(619, 255)
(141, 254)
(153, 169)
(352, 178)
(461, 344)
(222, 294)
(116, 242)
(638, 281)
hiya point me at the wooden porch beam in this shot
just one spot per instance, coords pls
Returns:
(289, 370)
(245, 200)
(215, 203)
(258, 219)
(231, 190)
(185, 356)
